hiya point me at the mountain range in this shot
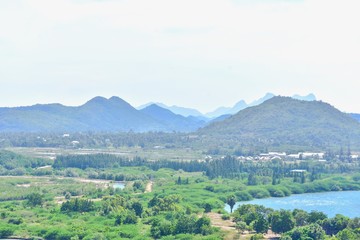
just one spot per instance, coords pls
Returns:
(270, 120)
(227, 111)
(98, 114)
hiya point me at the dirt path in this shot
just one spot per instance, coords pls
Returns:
(228, 226)
(217, 221)
(225, 225)
(149, 187)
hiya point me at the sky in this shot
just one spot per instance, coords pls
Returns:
(193, 53)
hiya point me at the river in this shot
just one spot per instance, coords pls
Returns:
(346, 203)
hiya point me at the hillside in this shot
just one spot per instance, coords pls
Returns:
(287, 121)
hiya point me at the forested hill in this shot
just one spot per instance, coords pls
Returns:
(286, 121)
(97, 115)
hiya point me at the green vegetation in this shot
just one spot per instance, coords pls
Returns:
(296, 224)
(166, 199)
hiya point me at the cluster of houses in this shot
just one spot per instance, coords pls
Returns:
(320, 156)
(283, 156)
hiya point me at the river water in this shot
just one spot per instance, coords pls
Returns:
(346, 203)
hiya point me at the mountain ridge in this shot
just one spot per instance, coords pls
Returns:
(97, 114)
(220, 111)
(242, 104)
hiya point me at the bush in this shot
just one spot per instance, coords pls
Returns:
(257, 237)
(96, 236)
(243, 196)
(259, 193)
(225, 217)
(35, 199)
(6, 232)
(296, 189)
(209, 188)
(128, 217)
(16, 221)
(58, 234)
(275, 191)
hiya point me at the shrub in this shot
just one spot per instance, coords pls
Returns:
(259, 193)
(257, 237)
(128, 217)
(243, 196)
(6, 232)
(16, 221)
(275, 191)
(209, 188)
(225, 217)
(296, 189)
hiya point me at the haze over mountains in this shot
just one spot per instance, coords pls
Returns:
(224, 110)
(269, 119)
(98, 114)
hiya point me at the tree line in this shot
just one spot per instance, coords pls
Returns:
(297, 224)
(227, 167)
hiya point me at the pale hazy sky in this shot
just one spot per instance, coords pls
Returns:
(194, 53)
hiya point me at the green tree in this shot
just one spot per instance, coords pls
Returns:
(315, 216)
(138, 208)
(67, 196)
(282, 221)
(334, 225)
(231, 201)
(126, 217)
(35, 199)
(185, 224)
(6, 231)
(207, 207)
(241, 226)
(301, 217)
(261, 225)
(347, 234)
(312, 231)
(203, 226)
(178, 182)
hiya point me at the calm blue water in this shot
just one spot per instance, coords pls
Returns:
(346, 203)
(119, 185)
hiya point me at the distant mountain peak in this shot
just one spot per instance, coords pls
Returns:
(157, 108)
(96, 100)
(183, 111)
(263, 99)
(309, 97)
(115, 98)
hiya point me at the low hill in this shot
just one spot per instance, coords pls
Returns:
(287, 121)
